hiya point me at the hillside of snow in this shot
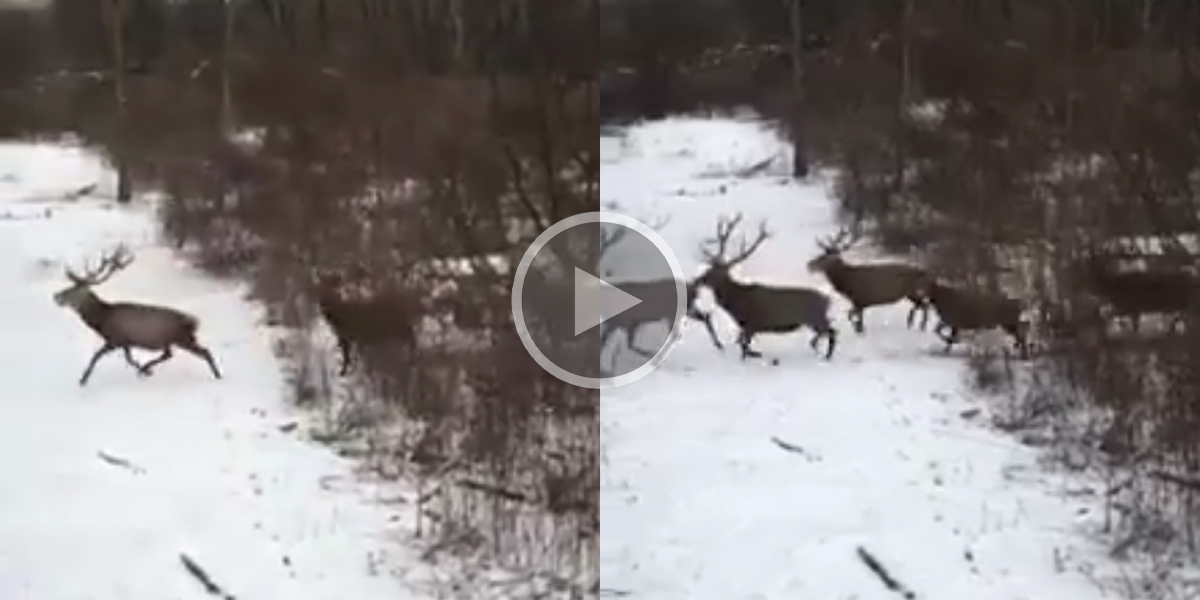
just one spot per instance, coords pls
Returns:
(731, 480)
(107, 486)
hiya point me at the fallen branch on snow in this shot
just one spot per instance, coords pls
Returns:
(76, 194)
(117, 461)
(757, 168)
(793, 448)
(788, 446)
(202, 576)
(888, 581)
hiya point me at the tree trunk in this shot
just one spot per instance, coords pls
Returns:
(903, 100)
(114, 15)
(800, 164)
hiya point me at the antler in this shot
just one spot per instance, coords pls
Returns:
(725, 229)
(608, 239)
(839, 242)
(110, 262)
(611, 237)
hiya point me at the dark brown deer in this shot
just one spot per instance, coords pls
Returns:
(649, 311)
(867, 285)
(374, 321)
(630, 321)
(1134, 293)
(127, 325)
(761, 308)
(964, 309)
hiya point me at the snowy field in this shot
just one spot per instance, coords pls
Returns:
(105, 486)
(699, 502)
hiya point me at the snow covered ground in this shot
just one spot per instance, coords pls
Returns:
(698, 501)
(105, 486)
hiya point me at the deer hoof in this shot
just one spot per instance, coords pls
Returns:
(144, 372)
(774, 362)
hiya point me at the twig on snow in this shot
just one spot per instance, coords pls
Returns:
(888, 581)
(757, 168)
(793, 448)
(197, 572)
(76, 194)
(117, 461)
(788, 446)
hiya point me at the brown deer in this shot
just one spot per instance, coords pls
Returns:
(632, 320)
(964, 309)
(761, 308)
(867, 285)
(357, 324)
(1134, 293)
(127, 325)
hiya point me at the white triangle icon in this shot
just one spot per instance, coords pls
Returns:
(597, 301)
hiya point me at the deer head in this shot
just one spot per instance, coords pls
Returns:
(79, 292)
(832, 248)
(715, 251)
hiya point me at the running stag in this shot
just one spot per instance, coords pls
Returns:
(127, 325)
(761, 308)
(867, 285)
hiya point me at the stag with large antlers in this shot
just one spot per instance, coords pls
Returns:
(127, 325)
(761, 308)
(867, 285)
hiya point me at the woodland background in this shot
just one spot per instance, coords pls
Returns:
(997, 140)
(1004, 143)
(405, 145)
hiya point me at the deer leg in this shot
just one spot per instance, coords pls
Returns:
(918, 304)
(939, 330)
(87, 372)
(344, 346)
(830, 335)
(631, 338)
(950, 337)
(129, 359)
(605, 336)
(195, 349)
(855, 315)
(744, 339)
(706, 318)
(148, 368)
(1020, 343)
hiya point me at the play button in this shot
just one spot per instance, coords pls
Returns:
(598, 300)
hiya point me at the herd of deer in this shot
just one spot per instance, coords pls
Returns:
(759, 308)
(756, 308)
